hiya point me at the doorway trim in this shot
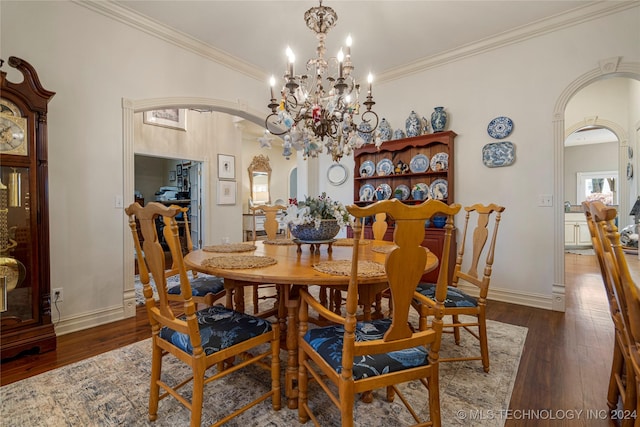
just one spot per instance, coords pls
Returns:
(129, 108)
(609, 67)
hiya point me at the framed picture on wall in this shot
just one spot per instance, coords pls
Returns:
(172, 175)
(179, 170)
(226, 166)
(174, 118)
(226, 192)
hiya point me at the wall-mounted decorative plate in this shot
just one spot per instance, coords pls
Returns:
(500, 127)
(630, 151)
(629, 171)
(337, 174)
(498, 154)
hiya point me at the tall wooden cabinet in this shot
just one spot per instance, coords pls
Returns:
(411, 152)
(25, 304)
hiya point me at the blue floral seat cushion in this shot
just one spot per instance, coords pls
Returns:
(220, 328)
(327, 342)
(201, 286)
(455, 297)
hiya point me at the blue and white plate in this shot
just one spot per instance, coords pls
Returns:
(439, 189)
(404, 191)
(440, 162)
(498, 154)
(367, 168)
(366, 193)
(419, 163)
(386, 192)
(385, 167)
(500, 127)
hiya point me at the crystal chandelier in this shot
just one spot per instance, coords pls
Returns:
(318, 109)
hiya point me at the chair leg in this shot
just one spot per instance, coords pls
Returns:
(347, 397)
(276, 398)
(198, 392)
(255, 299)
(303, 417)
(434, 398)
(616, 369)
(484, 341)
(456, 329)
(154, 392)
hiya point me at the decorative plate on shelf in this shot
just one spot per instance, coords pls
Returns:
(367, 168)
(440, 162)
(383, 192)
(420, 191)
(439, 189)
(384, 167)
(366, 193)
(419, 163)
(498, 154)
(404, 191)
(500, 127)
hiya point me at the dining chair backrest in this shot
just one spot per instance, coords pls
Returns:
(625, 310)
(404, 266)
(479, 247)
(379, 226)
(271, 225)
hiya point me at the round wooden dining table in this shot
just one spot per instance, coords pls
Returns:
(294, 267)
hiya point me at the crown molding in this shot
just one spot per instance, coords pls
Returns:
(574, 17)
(544, 26)
(152, 27)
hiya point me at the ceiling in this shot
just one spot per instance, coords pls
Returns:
(387, 35)
(391, 38)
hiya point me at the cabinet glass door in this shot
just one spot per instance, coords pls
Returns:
(16, 247)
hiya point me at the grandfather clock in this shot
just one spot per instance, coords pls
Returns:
(25, 304)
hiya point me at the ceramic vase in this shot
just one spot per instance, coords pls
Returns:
(399, 134)
(438, 119)
(385, 130)
(413, 125)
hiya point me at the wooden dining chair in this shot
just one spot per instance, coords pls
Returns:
(205, 289)
(361, 356)
(459, 302)
(214, 336)
(623, 380)
(271, 227)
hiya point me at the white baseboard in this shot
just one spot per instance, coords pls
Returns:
(513, 297)
(91, 319)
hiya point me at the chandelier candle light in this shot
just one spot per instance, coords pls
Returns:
(317, 109)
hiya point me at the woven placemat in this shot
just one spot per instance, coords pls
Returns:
(349, 242)
(282, 242)
(233, 262)
(383, 249)
(343, 268)
(230, 247)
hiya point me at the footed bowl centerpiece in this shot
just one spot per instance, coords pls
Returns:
(328, 230)
(316, 219)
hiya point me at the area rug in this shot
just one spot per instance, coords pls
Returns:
(112, 389)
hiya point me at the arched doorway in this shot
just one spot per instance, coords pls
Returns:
(611, 67)
(129, 108)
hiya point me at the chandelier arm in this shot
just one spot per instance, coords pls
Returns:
(273, 127)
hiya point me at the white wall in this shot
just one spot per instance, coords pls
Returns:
(93, 62)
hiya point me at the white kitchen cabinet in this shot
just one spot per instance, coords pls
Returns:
(576, 230)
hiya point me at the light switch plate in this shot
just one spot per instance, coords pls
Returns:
(545, 200)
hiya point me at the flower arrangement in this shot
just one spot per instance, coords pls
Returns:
(314, 210)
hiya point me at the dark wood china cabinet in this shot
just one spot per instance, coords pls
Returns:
(25, 304)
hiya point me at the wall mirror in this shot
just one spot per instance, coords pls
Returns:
(260, 180)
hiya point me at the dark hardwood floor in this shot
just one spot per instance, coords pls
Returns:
(564, 367)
